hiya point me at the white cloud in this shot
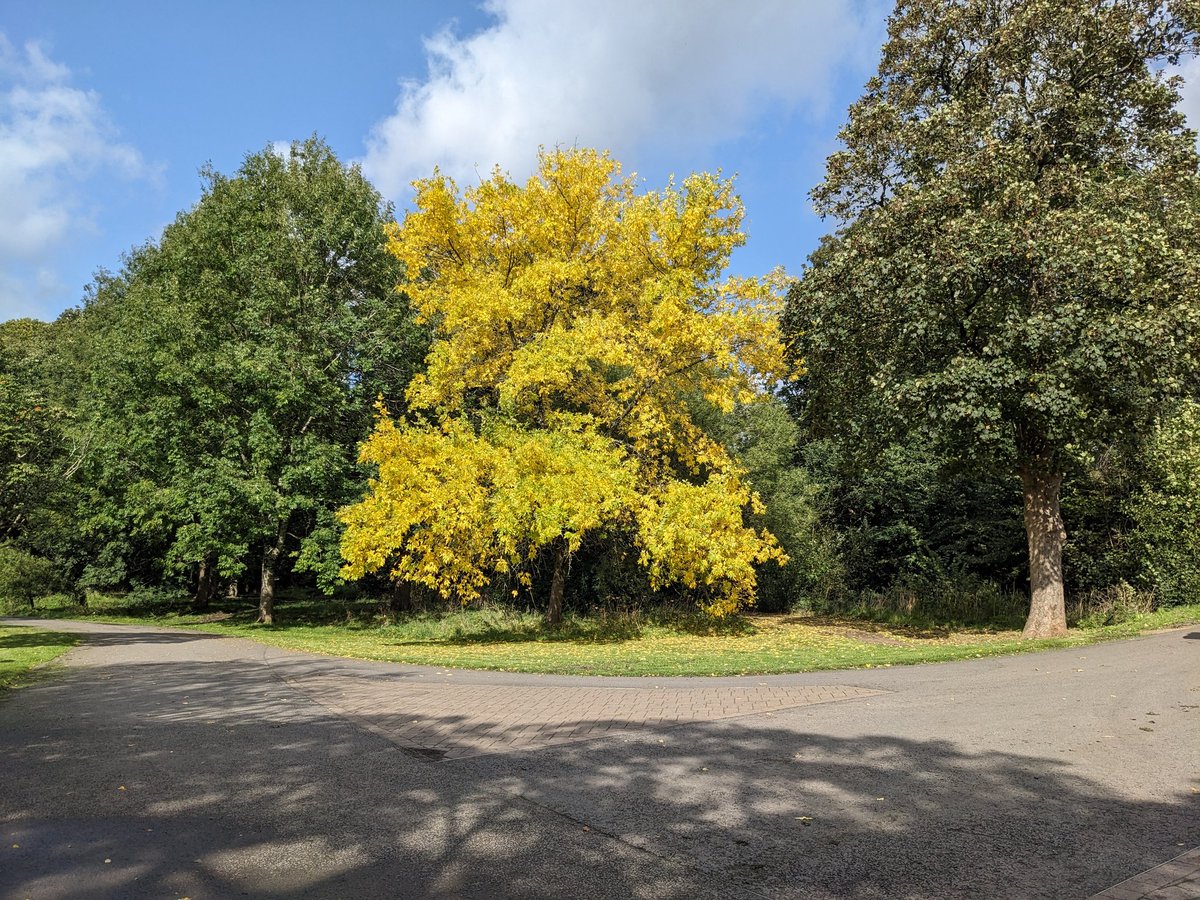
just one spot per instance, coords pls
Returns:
(619, 75)
(53, 137)
(30, 291)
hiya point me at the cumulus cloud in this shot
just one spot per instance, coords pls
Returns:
(53, 137)
(621, 75)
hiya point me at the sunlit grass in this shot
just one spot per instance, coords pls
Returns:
(21, 649)
(661, 642)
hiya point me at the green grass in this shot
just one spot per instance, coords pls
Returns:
(639, 643)
(22, 649)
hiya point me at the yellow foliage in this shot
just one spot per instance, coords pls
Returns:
(694, 535)
(572, 316)
(449, 505)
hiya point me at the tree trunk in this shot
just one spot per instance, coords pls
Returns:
(558, 583)
(1044, 528)
(401, 600)
(204, 585)
(270, 560)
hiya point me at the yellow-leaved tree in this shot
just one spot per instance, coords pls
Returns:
(573, 318)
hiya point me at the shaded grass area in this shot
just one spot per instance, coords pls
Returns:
(21, 649)
(651, 642)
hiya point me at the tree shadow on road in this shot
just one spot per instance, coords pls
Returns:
(127, 638)
(213, 779)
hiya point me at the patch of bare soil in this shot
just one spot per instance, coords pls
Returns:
(214, 617)
(870, 637)
(867, 632)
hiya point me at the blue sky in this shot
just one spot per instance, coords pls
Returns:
(107, 110)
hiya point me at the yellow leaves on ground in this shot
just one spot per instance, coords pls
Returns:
(573, 319)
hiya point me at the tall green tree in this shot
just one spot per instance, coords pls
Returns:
(32, 427)
(237, 362)
(766, 441)
(1016, 266)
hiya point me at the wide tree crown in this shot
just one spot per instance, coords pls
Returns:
(1016, 267)
(576, 323)
(980, 94)
(573, 298)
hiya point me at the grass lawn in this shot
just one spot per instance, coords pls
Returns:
(626, 644)
(23, 648)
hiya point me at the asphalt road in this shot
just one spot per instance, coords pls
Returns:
(180, 764)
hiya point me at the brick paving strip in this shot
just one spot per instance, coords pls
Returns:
(440, 721)
(1177, 879)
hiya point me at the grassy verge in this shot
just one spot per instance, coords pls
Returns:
(658, 643)
(21, 649)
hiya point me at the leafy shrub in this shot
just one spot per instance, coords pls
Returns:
(1166, 512)
(25, 577)
(958, 597)
(1114, 605)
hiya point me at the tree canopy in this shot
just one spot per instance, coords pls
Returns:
(236, 363)
(1016, 267)
(575, 320)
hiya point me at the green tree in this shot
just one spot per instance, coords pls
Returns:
(1016, 266)
(766, 441)
(1166, 511)
(25, 577)
(236, 363)
(41, 442)
(32, 427)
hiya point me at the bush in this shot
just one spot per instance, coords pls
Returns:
(1110, 606)
(949, 598)
(25, 577)
(905, 516)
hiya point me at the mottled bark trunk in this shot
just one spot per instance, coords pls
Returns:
(270, 563)
(1046, 534)
(204, 585)
(558, 583)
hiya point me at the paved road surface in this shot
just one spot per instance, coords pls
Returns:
(179, 764)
